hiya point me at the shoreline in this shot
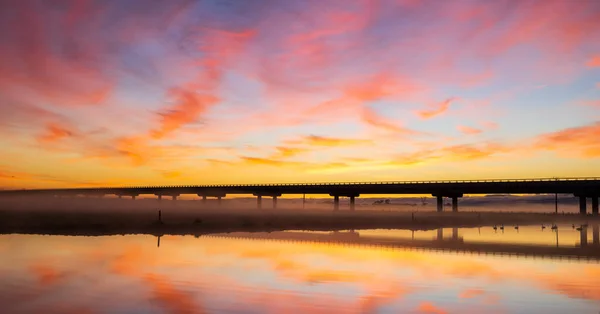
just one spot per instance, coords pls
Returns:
(199, 223)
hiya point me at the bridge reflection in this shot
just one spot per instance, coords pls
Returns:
(584, 249)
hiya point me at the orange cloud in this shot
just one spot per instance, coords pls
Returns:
(269, 162)
(429, 308)
(54, 132)
(577, 141)
(468, 130)
(189, 105)
(437, 109)
(285, 152)
(316, 140)
(471, 293)
(594, 62)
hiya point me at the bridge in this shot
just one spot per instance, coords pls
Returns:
(583, 188)
(585, 250)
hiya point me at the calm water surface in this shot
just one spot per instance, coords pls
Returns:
(236, 273)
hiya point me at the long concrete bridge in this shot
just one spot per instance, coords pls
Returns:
(585, 249)
(583, 188)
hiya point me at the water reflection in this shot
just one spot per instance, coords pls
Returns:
(235, 273)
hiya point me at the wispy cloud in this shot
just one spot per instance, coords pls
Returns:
(468, 130)
(594, 62)
(436, 109)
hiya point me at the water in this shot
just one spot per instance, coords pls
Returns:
(321, 272)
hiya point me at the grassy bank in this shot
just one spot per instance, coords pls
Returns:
(61, 222)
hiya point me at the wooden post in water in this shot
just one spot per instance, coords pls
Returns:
(303, 200)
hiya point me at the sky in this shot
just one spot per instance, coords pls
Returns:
(108, 93)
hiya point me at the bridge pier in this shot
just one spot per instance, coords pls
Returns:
(219, 201)
(583, 237)
(440, 203)
(160, 197)
(595, 205)
(336, 203)
(582, 205)
(454, 234)
(454, 204)
(596, 235)
(203, 200)
(440, 234)
(352, 203)
(174, 197)
(259, 199)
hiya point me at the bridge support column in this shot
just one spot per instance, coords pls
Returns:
(160, 197)
(583, 237)
(352, 203)
(595, 205)
(274, 202)
(336, 203)
(454, 204)
(174, 197)
(440, 234)
(203, 200)
(454, 234)
(582, 205)
(133, 197)
(259, 201)
(596, 235)
(440, 203)
(219, 201)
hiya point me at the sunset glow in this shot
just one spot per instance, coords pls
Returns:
(106, 93)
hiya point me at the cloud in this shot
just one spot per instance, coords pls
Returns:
(437, 109)
(188, 107)
(55, 132)
(372, 118)
(591, 103)
(471, 293)
(315, 140)
(429, 308)
(468, 130)
(579, 141)
(594, 62)
(286, 152)
(269, 162)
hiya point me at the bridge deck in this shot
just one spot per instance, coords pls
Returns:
(583, 186)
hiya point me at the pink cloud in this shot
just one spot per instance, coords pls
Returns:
(188, 107)
(372, 118)
(437, 109)
(468, 130)
(594, 62)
